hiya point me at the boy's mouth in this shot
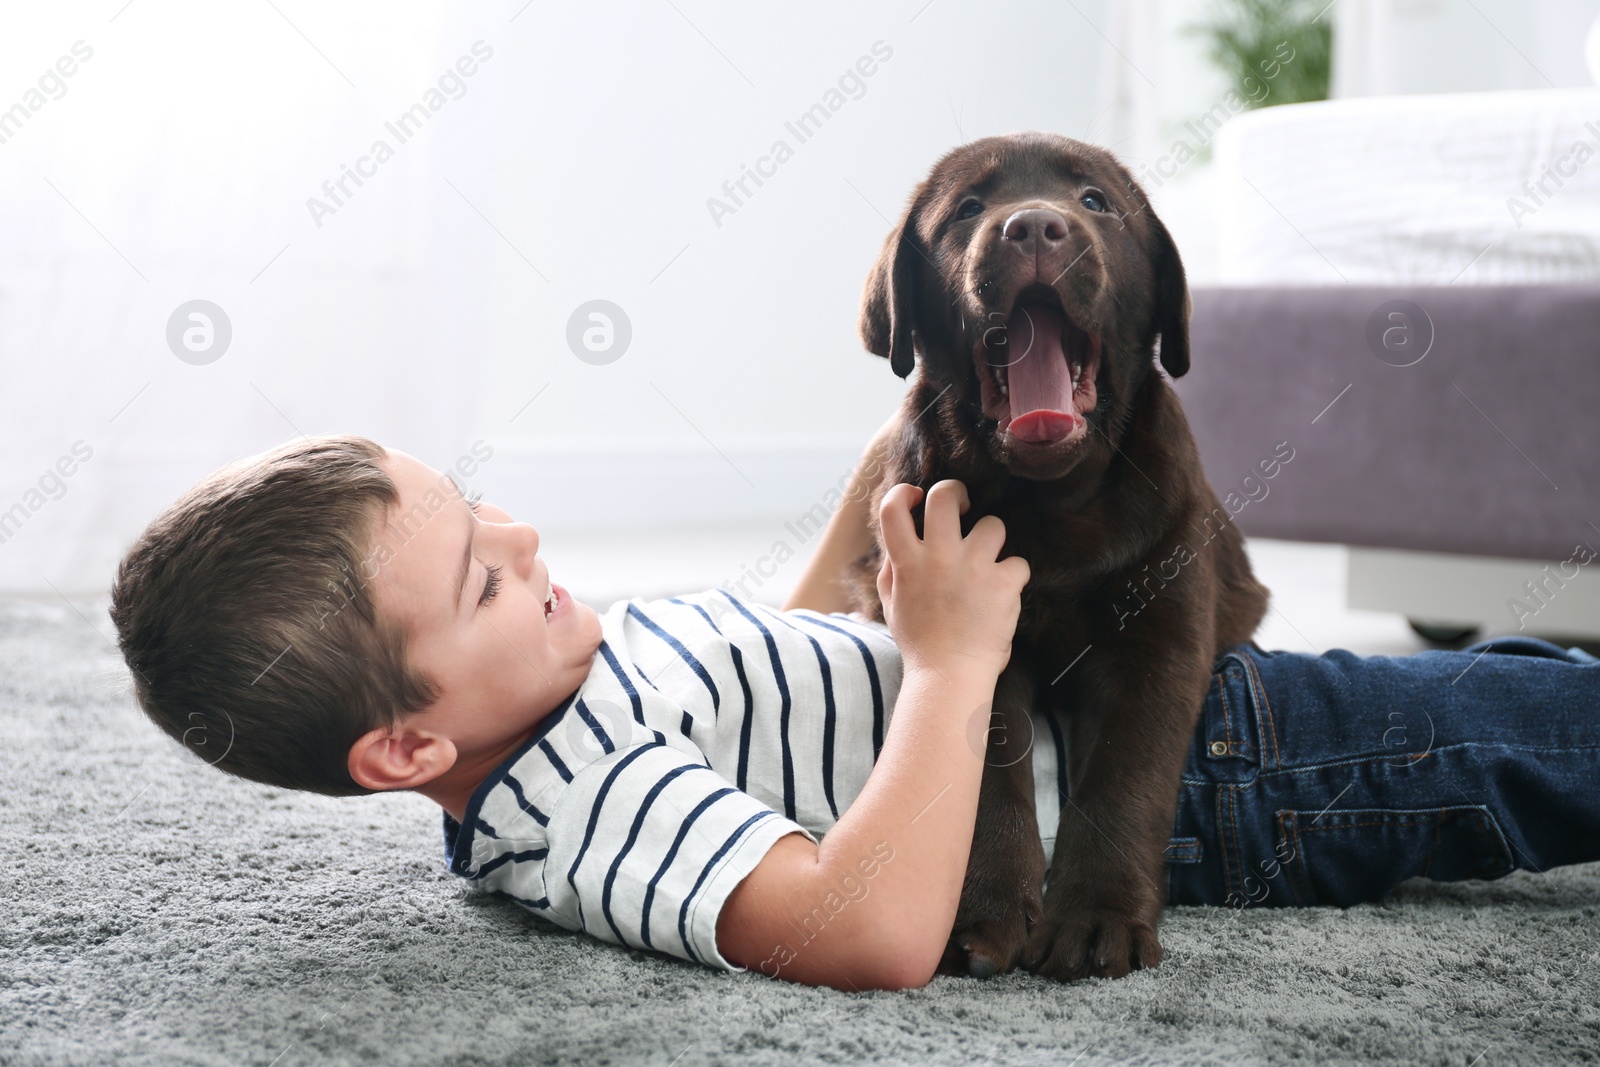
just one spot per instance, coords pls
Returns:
(552, 598)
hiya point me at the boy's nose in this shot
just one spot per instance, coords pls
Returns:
(525, 540)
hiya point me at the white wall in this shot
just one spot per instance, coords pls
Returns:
(433, 305)
(179, 160)
(1449, 46)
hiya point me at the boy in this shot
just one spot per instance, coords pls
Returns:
(790, 790)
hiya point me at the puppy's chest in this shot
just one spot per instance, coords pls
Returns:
(1047, 626)
(1063, 549)
(1066, 584)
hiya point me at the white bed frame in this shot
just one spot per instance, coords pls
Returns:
(1448, 590)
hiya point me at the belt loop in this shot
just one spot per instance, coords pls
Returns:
(1266, 726)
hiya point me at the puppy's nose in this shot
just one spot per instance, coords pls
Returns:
(1036, 227)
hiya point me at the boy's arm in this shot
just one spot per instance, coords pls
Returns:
(953, 610)
(896, 858)
(823, 586)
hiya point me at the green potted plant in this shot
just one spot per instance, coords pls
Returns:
(1272, 51)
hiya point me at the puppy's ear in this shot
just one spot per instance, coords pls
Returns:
(1171, 298)
(888, 300)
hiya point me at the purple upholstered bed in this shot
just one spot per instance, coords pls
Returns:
(1450, 434)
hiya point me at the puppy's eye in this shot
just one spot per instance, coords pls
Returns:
(1094, 200)
(968, 209)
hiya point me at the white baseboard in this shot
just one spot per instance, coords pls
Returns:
(73, 545)
(639, 490)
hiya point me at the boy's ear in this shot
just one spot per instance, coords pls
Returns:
(399, 757)
(888, 300)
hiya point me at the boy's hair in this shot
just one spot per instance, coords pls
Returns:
(246, 615)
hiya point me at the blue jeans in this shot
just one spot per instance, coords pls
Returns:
(1330, 779)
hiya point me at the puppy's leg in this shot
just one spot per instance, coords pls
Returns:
(1000, 898)
(1108, 877)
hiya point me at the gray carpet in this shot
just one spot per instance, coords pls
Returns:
(156, 911)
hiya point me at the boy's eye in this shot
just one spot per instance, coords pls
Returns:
(490, 586)
(473, 498)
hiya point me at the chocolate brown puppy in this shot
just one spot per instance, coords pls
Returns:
(1035, 291)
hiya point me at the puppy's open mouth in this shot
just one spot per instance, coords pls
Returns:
(1036, 375)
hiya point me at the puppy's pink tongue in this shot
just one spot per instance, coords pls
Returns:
(1038, 378)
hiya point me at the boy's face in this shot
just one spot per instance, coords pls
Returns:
(470, 592)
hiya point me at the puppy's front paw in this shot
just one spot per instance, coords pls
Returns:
(992, 944)
(1000, 903)
(1081, 942)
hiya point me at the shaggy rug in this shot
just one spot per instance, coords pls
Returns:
(159, 912)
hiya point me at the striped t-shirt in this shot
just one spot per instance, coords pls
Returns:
(708, 728)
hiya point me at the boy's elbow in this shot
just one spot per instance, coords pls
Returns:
(894, 967)
(898, 979)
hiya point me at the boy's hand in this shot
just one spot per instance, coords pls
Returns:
(946, 598)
